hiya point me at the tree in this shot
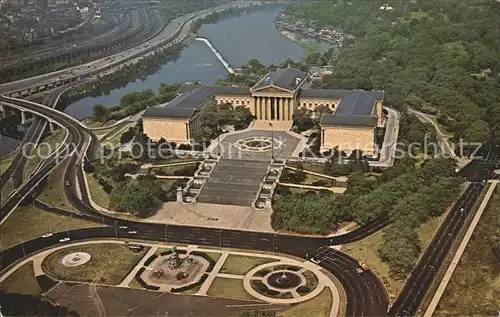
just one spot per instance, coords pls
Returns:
(308, 213)
(478, 132)
(400, 248)
(128, 135)
(133, 198)
(100, 112)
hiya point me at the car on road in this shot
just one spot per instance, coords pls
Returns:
(123, 227)
(64, 239)
(132, 232)
(67, 183)
(47, 235)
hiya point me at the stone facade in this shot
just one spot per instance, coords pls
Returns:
(273, 102)
(348, 139)
(176, 130)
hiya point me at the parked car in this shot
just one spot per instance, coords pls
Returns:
(47, 235)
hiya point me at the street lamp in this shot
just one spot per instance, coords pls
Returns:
(218, 138)
(274, 236)
(220, 238)
(166, 233)
(272, 141)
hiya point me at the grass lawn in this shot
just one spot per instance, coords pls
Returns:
(166, 183)
(27, 223)
(214, 255)
(22, 281)
(177, 160)
(191, 291)
(474, 288)
(135, 284)
(241, 264)
(5, 161)
(97, 192)
(318, 168)
(229, 288)
(170, 170)
(47, 145)
(53, 192)
(427, 229)
(296, 190)
(313, 178)
(318, 306)
(116, 140)
(110, 263)
(6, 190)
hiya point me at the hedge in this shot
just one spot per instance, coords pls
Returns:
(141, 281)
(150, 259)
(190, 286)
(206, 257)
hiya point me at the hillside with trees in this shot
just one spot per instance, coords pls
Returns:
(443, 54)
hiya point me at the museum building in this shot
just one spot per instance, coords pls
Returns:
(273, 101)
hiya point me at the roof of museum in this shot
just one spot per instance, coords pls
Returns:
(218, 90)
(183, 106)
(337, 93)
(348, 120)
(285, 78)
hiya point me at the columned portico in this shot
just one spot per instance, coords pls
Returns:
(273, 108)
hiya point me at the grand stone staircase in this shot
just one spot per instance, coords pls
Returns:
(234, 182)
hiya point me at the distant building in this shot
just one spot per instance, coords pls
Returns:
(16, 3)
(273, 101)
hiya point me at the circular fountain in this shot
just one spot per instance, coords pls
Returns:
(75, 259)
(284, 280)
(258, 144)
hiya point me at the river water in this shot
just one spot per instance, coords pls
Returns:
(238, 37)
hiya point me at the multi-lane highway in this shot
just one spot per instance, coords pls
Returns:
(365, 291)
(30, 141)
(424, 273)
(136, 24)
(174, 32)
(366, 294)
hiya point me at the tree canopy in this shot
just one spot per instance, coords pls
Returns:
(438, 53)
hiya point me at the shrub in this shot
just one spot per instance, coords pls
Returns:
(190, 286)
(302, 290)
(206, 257)
(150, 260)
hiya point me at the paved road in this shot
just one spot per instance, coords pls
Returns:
(30, 141)
(359, 286)
(423, 275)
(176, 30)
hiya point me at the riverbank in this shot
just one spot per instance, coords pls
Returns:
(147, 65)
(306, 44)
(238, 36)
